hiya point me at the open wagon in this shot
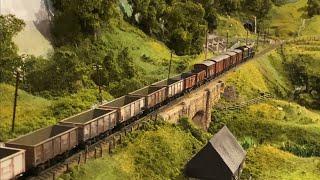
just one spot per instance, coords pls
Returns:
(92, 123)
(153, 95)
(46, 144)
(127, 107)
(174, 87)
(12, 163)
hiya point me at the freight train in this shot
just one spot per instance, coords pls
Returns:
(45, 147)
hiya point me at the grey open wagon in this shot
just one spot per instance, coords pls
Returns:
(45, 144)
(12, 162)
(92, 123)
(153, 95)
(127, 107)
(173, 86)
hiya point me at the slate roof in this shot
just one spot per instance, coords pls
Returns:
(219, 159)
(228, 148)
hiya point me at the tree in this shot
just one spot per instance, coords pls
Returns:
(185, 27)
(9, 27)
(259, 8)
(313, 7)
(86, 16)
(148, 15)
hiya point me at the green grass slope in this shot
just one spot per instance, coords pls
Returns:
(287, 19)
(269, 163)
(32, 112)
(276, 132)
(160, 152)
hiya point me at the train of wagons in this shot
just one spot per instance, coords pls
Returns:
(44, 147)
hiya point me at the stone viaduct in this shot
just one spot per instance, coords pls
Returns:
(196, 105)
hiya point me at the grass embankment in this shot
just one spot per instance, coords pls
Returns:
(280, 135)
(287, 20)
(159, 152)
(32, 112)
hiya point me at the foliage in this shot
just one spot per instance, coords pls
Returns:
(75, 19)
(9, 26)
(313, 7)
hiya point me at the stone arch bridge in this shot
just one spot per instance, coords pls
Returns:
(196, 105)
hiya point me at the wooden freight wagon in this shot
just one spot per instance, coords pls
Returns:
(45, 144)
(153, 95)
(189, 78)
(173, 86)
(208, 66)
(127, 107)
(222, 63)
(239, 55)
(233, 58)
(12, 163)
(92, 123)
(200, 75)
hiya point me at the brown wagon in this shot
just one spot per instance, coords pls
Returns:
(92, 123)
(200, 75)
(233, 58)
(189, 78)
(127, 107)
(45, 144)
(239, 55)
(208, 66)
(222, 63)
(153, 95)
(173, 86)
(12, 162)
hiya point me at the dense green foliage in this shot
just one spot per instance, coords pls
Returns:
(313, 7)
(9, 26)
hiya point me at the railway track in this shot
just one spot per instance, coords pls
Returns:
(107, 144)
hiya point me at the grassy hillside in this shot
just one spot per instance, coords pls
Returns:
(277, 132)
(159, 152)
(32, 112)
(288, 20)
(268, 163)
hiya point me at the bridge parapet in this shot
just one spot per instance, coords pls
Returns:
(196, 105)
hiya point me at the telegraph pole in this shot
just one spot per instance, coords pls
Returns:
(170, 65)
(98, 69)
(17, 75)
(258, 41)
(206, 53)
(247, 37)
(227, 39)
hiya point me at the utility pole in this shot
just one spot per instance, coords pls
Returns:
(258, 41)
(227, 39)
(206, 53)
(170, 65)
(255, 24)
(247, 37)
(17, 75)
(98, 69)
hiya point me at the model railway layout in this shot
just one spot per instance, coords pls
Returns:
(44, 148)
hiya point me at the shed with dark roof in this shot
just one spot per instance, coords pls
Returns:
(222, 158)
